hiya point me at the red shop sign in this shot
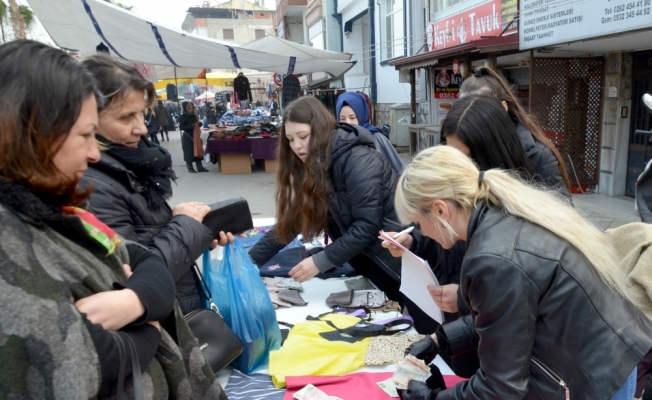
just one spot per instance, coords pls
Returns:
(467, 26)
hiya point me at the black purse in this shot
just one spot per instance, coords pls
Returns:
(230, 215)
(215, 339)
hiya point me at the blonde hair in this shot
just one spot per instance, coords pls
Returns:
(444, 173)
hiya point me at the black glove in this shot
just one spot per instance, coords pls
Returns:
(425, 349)
(418, 391)
(436, 380)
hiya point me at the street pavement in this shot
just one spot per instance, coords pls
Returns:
(259, 190)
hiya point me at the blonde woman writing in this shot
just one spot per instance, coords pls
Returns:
(550, 318)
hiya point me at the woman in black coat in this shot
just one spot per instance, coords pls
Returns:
(334, 180)
(133, 180)
(187, 123)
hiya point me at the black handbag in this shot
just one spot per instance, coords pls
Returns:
(215, 339)
(230, 215)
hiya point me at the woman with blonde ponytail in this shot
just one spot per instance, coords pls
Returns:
(549, 309)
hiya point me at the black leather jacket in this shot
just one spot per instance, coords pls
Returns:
(179, 240)
(540, 315)
(361, 203)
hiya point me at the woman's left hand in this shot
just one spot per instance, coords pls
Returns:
(305, 270)
(445, 297)
(113, 309)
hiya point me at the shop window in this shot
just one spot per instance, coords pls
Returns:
(394, 37)
(228, 34)
(437, 6)
(316, 35)
(260, 33)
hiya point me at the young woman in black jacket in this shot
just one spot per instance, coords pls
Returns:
(542, 153)
(187, 123)
(552, 315)
(332, 179)
(133, 180)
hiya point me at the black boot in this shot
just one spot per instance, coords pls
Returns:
(167, 136)
(199, 167)
(190, 168)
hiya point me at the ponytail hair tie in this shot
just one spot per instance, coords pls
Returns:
(480, 178)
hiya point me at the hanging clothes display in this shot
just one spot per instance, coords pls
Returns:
(306, 352)
(242, 88)
(291, 89)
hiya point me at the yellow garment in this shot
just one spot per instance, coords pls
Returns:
(633, 244)
(305, 353)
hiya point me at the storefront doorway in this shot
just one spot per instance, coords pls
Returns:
(640, 146)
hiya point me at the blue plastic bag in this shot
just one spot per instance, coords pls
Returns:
(244, 303)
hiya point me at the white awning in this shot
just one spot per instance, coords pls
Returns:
(83, 24)
(277, 45)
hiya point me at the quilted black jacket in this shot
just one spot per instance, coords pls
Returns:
(179, 240)
(542, 320)
(361, 203)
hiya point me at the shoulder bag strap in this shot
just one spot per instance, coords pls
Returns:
(136, 374)
(207, 291)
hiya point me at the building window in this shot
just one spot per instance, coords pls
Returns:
(394, 33)
(316, 34)
(260, 33)
(228, 34)
(442, 5)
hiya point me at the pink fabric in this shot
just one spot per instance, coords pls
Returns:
(350, 386)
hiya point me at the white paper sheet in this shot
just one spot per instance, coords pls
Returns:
(416, 276)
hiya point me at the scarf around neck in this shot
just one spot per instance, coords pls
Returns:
(151, 166)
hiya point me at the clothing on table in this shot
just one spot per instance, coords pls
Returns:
(384, 350)
(130, 192)
(306, 352)
(83, 356)
(359, 106)
(359, 385)
(242, 88)
(252, 387)
(291, 89)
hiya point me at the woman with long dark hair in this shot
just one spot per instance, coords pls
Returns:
(73, 293)
(548, 163)
(332, 179)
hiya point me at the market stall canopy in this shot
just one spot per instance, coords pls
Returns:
(277, 45)
(82, 25)
(227, 78)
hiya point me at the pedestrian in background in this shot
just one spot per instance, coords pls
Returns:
(151, 122)
(162, 114)
(188, 121)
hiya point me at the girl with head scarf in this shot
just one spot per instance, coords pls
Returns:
(351, 108)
